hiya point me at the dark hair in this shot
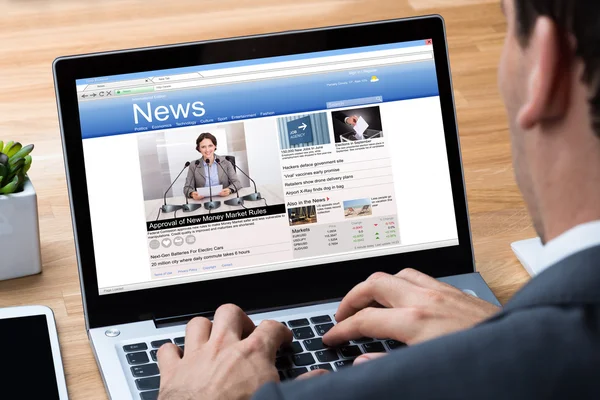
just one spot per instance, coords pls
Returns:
(579, 18)
(208, 136)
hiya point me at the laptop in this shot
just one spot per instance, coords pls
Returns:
(306, 216)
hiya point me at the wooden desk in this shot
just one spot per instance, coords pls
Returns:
(33, 33)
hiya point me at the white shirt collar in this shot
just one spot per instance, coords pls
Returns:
(573, 241)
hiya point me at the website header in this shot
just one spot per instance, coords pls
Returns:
(226, 102)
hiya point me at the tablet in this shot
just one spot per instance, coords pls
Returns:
(31, 366)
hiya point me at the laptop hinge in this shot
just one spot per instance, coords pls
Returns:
(180, 319)
(183, 319)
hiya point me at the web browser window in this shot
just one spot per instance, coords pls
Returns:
(237, 168)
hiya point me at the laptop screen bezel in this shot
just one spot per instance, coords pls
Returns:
(261, 291)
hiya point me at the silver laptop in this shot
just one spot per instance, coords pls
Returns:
(208, 173)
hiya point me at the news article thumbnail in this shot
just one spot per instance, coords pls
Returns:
(357, 208)
(302, 215)
(180, 189)
(357, 124)
(303, 130)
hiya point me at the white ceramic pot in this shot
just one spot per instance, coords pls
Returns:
(19, 234)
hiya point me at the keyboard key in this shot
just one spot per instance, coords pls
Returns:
(314, 344)
(148, 383)
(350, 351)
(375, 347)
(296, 372)
(343, 363)
(153, 354)
(153, 395)
(157, 343)
(281, 376)
(135, 347)
(363, 340)
(303, 359)
(303, 333)
(145, 370)
(293, 348)
(137, 358)
(283, 363)
(298, 322)
(321, 366)
(394, 344)
(323, 329)
(321, 319)
(328, 355)
(179, 340)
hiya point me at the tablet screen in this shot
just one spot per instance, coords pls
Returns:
(27, 364)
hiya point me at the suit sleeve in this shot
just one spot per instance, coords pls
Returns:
(233, 178)
(189, 183)
(545, 352)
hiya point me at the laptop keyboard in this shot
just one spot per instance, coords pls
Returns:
(307, 352)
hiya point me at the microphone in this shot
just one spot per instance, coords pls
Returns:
(252, 196)
(171, 207)
(231, 202)
(194, 206)
(210, 205)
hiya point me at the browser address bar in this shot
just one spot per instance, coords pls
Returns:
(306, 70)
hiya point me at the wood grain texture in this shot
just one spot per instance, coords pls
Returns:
(34, 32)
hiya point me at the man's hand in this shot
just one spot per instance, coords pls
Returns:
(225, 192)
(229, 358)
(196, 196)
(410, 307)
(352, 120)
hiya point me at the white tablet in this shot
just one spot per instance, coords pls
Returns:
(31, 364)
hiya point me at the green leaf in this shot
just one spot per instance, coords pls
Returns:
(3, 159)
(26, 168)
(1, 145)
(3, 170)
(28, 160)
(11, 187)
(20, 181)
(17, 164)
(25, 150)
(7, 146)
(13, 149)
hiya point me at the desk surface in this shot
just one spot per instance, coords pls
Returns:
(33, 33)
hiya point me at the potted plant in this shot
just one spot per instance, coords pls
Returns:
(19, 227)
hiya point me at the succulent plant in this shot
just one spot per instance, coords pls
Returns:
(15, 161)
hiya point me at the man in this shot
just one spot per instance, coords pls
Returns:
(544, 344)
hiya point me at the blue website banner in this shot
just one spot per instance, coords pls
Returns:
(257, 99)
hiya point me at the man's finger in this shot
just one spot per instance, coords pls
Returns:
(420, 279)
(268, 337)
(380, 288)
(197, 333)
(368, 357)
(168, 356)
(373, 322)
(312, 374)
(230, 324)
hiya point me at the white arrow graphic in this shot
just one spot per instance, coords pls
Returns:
(303, 126)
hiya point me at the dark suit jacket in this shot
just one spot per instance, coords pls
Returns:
(545, 344)
(195, 177)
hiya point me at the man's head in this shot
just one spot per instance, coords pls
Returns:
(549, 77)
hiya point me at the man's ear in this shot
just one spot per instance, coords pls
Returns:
(548, 75)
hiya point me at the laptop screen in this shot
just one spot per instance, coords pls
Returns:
(247, 167)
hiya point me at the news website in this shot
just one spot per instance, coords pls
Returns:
(238, 168)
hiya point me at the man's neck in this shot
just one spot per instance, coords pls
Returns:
(570, 193)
